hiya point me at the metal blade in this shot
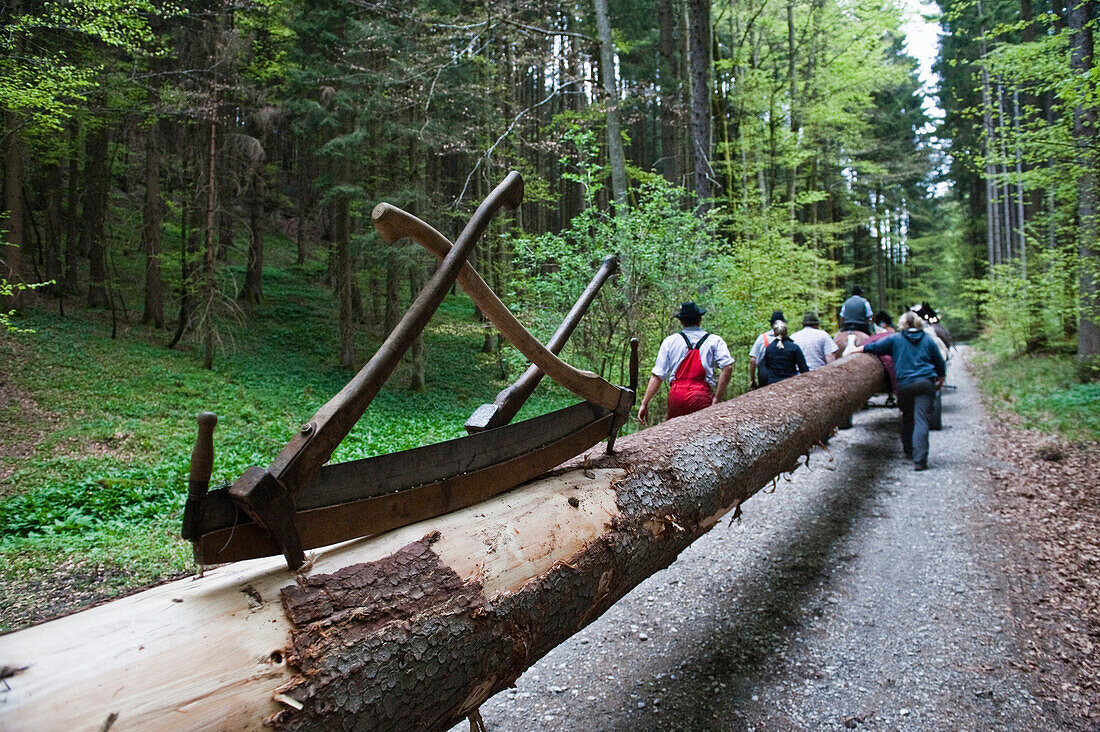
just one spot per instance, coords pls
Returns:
(366, 497)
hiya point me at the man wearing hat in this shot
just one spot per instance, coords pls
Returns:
(697, 365)
(817, 346)
(756, 353)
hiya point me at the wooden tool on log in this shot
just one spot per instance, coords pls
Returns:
(296, 504)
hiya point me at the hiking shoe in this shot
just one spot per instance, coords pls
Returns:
(920, 466)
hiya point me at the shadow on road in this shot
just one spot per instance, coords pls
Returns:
(756, 610)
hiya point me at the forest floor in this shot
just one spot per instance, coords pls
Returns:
(861, 595)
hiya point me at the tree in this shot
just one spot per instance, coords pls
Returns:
(1081, 15)
(52, 58)
(611, 92)
(699, 43)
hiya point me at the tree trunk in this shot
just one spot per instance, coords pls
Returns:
(1081, 14)
(392, 314)
(700, 98)
(417, 380)
(415, 628)
(207, 315)
(253, 289)
(71, 276)
(670, 87)
(611, 91)
(55, 226)
(993, 236)
(152, 218)
(792, 81)
(95, 220)
(11, 254)
(342, 243)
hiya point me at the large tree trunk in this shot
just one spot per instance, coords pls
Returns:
(253, 290)
(206, 321)
(415, 628)
(98, 180)
(342, 253)
(152, 220)
(615, 154)
(700, 97)
(11, 253)
(55, 226)
(71, 277)
(670, 88)
(1081, 14)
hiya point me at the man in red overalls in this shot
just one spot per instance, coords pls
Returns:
(697, 364)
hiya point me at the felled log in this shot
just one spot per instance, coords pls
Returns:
(414, 629)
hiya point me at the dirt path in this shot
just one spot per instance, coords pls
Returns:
(860, 595)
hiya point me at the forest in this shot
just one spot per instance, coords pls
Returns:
(198, 176)
(760, 155)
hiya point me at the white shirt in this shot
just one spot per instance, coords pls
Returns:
(714, 354)
(760, 345)
(815, 344)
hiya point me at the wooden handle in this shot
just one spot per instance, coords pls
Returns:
(393, 224)
(202, 457)
(511, 399)
(202, 466)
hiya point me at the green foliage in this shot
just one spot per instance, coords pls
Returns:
(1024, 313)
(109, 480)
(765, 271)
(1044, 391)
(7, 291)
(665, 257)
(48, 61)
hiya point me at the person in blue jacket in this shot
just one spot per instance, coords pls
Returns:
(920, 370)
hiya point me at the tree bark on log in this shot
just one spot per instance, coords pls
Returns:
(414, 629)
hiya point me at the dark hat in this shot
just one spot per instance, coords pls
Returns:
(689, 311)
(777, 315)
(810, 318)
(857, 290)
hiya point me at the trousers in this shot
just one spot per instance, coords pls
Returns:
(915, 401)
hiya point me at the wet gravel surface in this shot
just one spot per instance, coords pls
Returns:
(858, 595)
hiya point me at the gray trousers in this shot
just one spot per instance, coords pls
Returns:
(915, 401)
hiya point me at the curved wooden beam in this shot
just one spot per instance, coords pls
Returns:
(512, 398)
(394, 224)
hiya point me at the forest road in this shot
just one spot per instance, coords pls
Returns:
(858, 595)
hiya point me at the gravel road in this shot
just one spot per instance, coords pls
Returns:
(858, 595)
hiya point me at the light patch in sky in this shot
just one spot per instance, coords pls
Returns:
(922, 42)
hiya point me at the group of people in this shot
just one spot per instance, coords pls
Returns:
(698, 365)
(776, 354)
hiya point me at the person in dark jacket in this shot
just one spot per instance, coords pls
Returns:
(783, 358)
(920, 372)
(856, 313)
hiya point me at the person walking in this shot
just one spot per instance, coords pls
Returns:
(758, 376)
(856, 312)
(817, 346)
(920, 371)
(697, 365)
(783, 358)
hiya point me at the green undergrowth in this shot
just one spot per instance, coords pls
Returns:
(112, 421)
(1043, 390)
